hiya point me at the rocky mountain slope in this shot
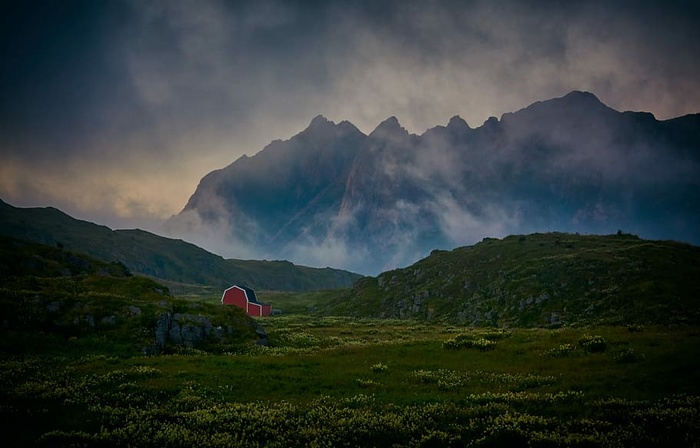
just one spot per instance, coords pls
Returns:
(332, 195)
(549, 279)
(166, 259)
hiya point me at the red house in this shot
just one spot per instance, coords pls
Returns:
(244, 297)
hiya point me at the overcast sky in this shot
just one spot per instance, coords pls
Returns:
(113, 110)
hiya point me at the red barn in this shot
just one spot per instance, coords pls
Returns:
(244, 297)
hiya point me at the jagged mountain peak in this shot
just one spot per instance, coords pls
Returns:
(576, 101)
(390, 122)
(581, 95)
(345, 125)
(458, 123)
(333, 195)
(491, 122)
(457, 128)
(582, 101)
(577, 111)
(319, 120)
(321, 126)
(390, 126)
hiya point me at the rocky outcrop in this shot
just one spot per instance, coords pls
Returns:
(190, 330)
(261, 333)
(162, 331)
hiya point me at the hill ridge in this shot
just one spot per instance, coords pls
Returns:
(165, 259)
(544, 279)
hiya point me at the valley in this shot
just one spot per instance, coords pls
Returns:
(350, 224)
(92, 355)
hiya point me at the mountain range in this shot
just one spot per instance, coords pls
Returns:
(334, 196)
(175, 263)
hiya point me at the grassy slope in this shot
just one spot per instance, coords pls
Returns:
(334, 381)
(539, 279)
(51, 296)
(162, 258)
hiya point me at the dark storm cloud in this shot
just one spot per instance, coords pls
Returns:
(123, 106)
(55, 71)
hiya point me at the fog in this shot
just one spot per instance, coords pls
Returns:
(113, 111)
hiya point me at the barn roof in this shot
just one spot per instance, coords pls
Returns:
(250, 293)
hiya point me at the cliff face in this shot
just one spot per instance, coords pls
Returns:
(334, 196)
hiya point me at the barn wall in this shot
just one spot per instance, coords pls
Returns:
(235, 296)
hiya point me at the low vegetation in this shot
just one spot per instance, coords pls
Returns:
(363, 382)
(81, 365)
(55, 300)
(540, 280)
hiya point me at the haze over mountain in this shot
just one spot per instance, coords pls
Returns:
(332, 195)
(176, 263)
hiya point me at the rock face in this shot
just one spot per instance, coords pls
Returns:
(162, 330)
(190, 330)
(332, 195)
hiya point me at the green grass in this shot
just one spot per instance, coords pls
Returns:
(338, 381)
(298, 302)
(551, 279)
(344, 382)
(287, 302)
(99, 313)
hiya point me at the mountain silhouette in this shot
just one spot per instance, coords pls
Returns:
(332, 195)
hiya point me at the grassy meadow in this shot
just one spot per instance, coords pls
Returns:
(332, 381)
(81, 365)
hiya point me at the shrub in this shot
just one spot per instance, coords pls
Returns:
(362, 382)
(593, 343)
(562, 351)
(483, 345)
(456, 342)
(379, 367)
(495, 335)
(468, 341)
(627, 355)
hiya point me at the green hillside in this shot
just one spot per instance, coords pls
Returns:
(74, 331)
(548, 279)
(166, 259)
(50, 296)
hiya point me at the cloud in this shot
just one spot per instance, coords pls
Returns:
(215, 237)
(434, 60)
(140, 197)
(136, 101)
(462, 226)
(331, 252)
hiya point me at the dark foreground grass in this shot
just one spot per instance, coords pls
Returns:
(343, 382)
